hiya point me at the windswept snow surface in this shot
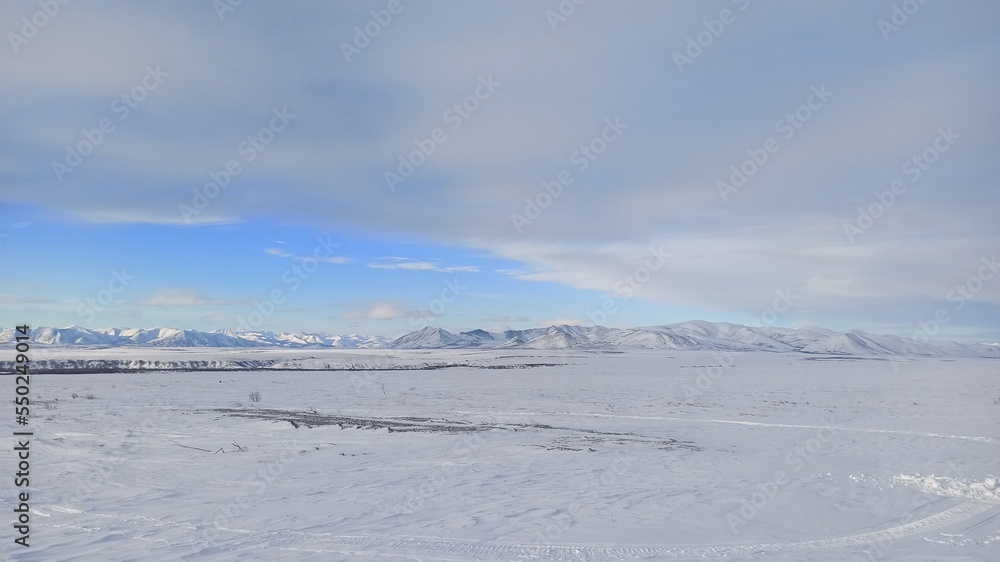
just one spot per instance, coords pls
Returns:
(513, 455)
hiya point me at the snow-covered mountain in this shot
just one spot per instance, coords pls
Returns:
(695, 335)
(172, 337)
(698, 335)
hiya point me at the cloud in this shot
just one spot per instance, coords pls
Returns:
(406, 264)
(128, 313)
(277, 252)
(336, 259)
(657, 184)
(375, 310)
(501, 319)
(183, 297)
(38, 301)
(563, 321)
(326, 259)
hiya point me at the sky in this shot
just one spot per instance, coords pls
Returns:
(377, 167)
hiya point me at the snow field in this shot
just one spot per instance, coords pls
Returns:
(604, 457)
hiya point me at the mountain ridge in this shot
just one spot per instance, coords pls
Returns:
(175, 337)
(691, 335)
(694, 335)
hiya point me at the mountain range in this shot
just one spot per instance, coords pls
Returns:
(693, 335)
(173, 337)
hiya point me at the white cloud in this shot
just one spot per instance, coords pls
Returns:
(288, 255)
(563, 321)
(502, 319)
(783, 228)
(337, 259)
(183, 297)
(374, 310)
(399, 263)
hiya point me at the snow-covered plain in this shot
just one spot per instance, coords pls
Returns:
(519, 455)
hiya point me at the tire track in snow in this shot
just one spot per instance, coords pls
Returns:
(374, 544)
(738, 422)
(977, 525)
(574, 553)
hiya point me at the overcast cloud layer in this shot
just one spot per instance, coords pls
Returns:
(823, 105)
